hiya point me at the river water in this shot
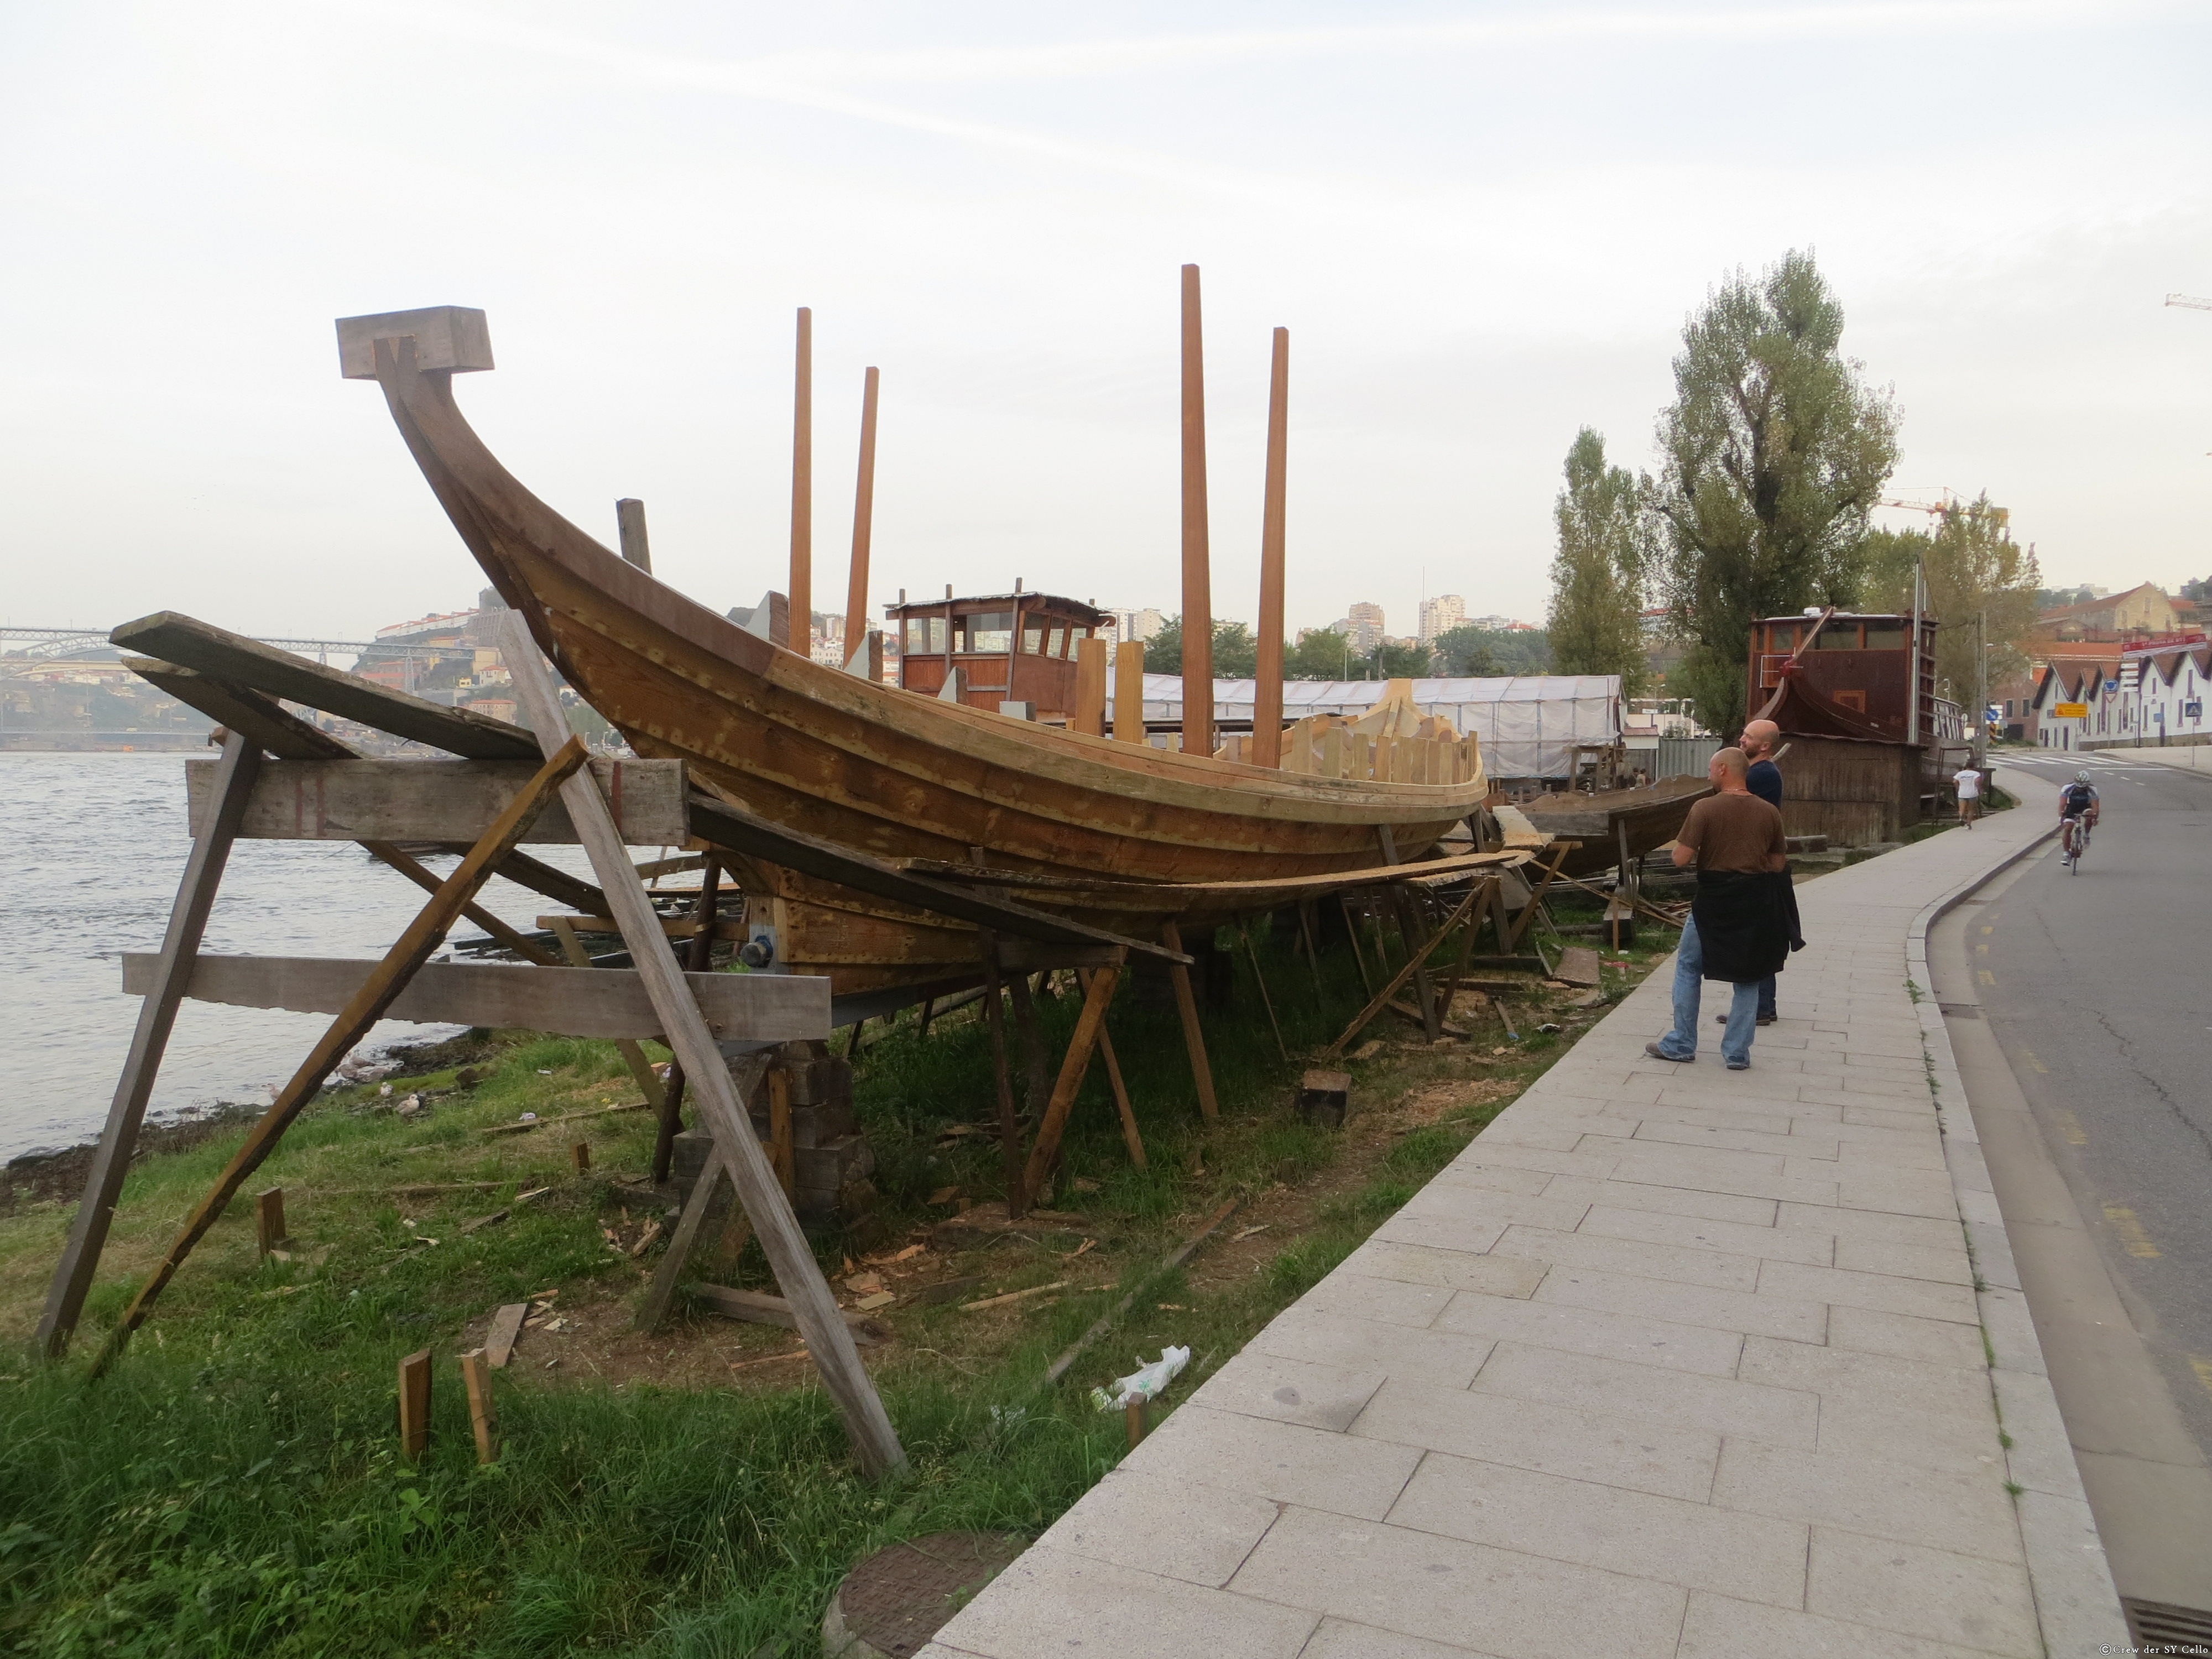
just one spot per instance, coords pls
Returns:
(91, 847)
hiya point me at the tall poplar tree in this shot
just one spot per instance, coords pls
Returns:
(1774, 451)
(1598, 575)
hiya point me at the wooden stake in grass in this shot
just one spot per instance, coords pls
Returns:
(476, 1375)
(268, 1220)
(415, 1405)
(1134, 1413)
(579, 1157)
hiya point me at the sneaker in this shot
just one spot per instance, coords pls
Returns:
(1657, 1052)
(1739, 1065)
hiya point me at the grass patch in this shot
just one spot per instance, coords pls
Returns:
(234, 1488)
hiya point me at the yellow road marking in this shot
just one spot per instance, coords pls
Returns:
(1988, 930)
(1988, 978)
(2070, 1127)
(2202, 1367)
(2028, 1055)
(2130, 1230)
(1981, 949)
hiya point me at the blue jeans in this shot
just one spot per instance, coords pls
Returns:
(1767, 998)
(1681, 1042)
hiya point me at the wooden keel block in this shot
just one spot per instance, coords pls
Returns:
(268, 1220)
(458, 338)
(483, 1419)
(415, 1405)
(1324, 1098)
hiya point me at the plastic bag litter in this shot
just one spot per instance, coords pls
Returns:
(1147, 1383)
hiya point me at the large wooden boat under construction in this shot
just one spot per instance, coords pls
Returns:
(1123, 832)
(1612, 826)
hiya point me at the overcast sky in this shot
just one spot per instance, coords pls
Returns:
(1482, 224)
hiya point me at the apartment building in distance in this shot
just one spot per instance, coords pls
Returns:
(1440, 615)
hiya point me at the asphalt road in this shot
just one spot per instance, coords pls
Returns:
(2096, 988)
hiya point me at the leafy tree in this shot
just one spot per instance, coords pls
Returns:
(1236, 652)
(1322, 653)
(1401, 661)
(1974, 568)
(2197, 592)
(1479, 653)
(1598, 575)
(1773, 452)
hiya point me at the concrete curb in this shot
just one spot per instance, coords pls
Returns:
(2075, 1601)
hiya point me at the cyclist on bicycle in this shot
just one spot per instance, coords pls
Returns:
(2078, 800)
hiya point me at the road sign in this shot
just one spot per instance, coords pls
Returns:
(2070, 711)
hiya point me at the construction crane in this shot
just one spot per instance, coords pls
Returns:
(2190, 302)
(1950, 503)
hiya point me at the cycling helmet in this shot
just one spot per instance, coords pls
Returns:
(2081, 777)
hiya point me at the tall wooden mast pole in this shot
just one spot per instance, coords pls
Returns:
(1267, 693)
(864, 521)
(1197, 575)
(802, 491)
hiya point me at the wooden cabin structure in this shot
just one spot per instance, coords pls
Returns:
(1006, 648)
(1854, 695)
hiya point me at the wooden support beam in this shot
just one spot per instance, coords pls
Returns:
(150, 1041)
(483, 1416)
(629, 531)
(1359, 1020)
(1010, 1134)
(415, 1405)
(863, 518)
(1053, 1122)
(176, 638)
(676, 1257)
(269, 1232)
(757, 1309)
(1089, 715)
(367, 1004)
(1127, 1112)
(1252, 955)
(1536, 897)
(1129, 692)
(1197, 573)
(783, 1155)
(802, 489)
(1193, 1039)
(1267, 685)
(699, 959)
(875, 1443)
(615, 1002)
(1410, 930)
(441, 800)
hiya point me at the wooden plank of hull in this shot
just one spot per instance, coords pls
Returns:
(868, 765)
(820, 764)
(607, 1002)
(813, 936)
(451, 800)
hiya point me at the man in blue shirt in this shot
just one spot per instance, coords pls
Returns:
(1764, 781)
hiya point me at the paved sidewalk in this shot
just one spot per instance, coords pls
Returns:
(1671, 1361)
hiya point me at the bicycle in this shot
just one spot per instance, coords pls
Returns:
(2075, 840)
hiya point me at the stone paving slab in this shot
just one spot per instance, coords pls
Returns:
(1671, 1361)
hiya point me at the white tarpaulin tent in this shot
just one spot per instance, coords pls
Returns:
(1529, 724)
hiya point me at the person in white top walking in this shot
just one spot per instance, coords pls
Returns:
(1968, 782)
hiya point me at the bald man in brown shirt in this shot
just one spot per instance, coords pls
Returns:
(1736, 932)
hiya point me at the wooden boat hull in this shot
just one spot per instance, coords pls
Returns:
(868, 765)
(1650, 817)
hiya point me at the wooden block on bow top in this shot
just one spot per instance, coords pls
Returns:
(1324, 1098)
